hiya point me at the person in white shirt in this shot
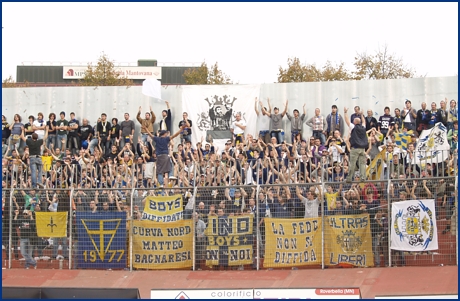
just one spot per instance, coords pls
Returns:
(336, 150)
(263, 122)
(237, 128)
(39, 126)
(311, 203)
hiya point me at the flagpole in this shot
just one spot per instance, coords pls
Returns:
(390, 217)
(70, 225)
(10, 232)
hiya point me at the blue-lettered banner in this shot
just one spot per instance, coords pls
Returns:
(163, 208)
(230, 240)
(101, 240)
(159, 245)
(292, 242)
(413, 226)
(348, 240)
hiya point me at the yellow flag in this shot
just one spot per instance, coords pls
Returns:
(292, 242)
(158, 245)
(51, 224)
(375, 170)
(163, 208)
(348, 240)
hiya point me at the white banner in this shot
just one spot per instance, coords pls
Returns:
(76, 72)
(152, 87)
(202, 294)
(432, 146)
(212, 110)
(413, 226)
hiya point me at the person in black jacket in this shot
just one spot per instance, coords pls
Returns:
(27, 235)
(359, 143)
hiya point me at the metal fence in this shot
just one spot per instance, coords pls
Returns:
(322, 224)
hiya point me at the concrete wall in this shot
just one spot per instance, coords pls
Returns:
(90, 102)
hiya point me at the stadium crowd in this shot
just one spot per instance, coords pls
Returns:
(107, 168)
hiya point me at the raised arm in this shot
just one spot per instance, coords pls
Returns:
(347, 119)
(255, 106)
(285, 108)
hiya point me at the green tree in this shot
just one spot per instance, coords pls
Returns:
(381, 65)
(205, 75)
(10, 83)
(297, 72)
(104, 74)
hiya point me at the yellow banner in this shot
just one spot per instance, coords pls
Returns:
(348, 240)
(230, 240)
(51, 224)
(162, 245)
(163, 208)
(375, 170)
(292, 242)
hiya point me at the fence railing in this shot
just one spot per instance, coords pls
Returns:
(320, 225)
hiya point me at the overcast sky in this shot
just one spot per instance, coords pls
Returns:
(248, 40)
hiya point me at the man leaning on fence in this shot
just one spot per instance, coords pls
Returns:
(27, 235)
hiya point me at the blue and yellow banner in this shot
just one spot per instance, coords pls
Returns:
(292, 242)
(162, 245)
(51, 224)
(348, 240)
(230, 240)
(402, 139)
(101, 240)
(163, 208)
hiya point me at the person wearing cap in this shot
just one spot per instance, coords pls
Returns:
(61, 127)
(263, 122)
(165, 122)
(163, 165)
(146, 124)
(277, 121)
(409, 116)
(27, 236)
(359, 143)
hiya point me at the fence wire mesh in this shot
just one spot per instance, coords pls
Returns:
(109, 217)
